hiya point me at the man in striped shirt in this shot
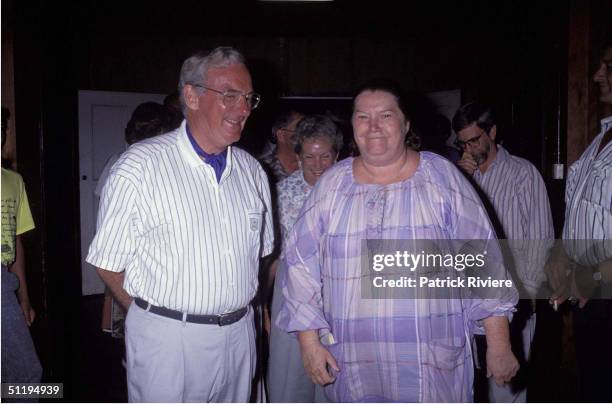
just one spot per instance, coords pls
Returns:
(515, 192)
(587, 239)
(186, 217)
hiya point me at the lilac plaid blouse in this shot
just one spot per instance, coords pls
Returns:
(387, 349)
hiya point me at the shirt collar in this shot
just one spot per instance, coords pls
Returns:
(303, 180)
(186, 149)
(501, 156)
(199, 150)
(606, 123)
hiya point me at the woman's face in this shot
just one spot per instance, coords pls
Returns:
(380, 127)
(317, 155)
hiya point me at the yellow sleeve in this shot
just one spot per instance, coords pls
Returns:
(24, 219)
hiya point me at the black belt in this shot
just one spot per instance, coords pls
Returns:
(220, 320)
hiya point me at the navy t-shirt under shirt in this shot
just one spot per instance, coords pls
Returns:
(216, 161)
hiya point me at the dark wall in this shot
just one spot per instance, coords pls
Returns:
(516, 74)
(46, 67)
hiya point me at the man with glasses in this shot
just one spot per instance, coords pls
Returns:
(187, 216)
(280, 159)
(519, 207)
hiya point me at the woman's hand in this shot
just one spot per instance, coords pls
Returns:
(317, 359)
(501, 365)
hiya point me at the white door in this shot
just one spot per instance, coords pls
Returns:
(447, 103)
(103, 116)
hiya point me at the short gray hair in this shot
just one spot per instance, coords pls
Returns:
(318, 127)
(195, 68)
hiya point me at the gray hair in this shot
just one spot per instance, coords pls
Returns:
(195, 68)
(318, 127)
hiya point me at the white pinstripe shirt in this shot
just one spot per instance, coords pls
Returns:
(517, 192)
(185, 242)
(588, 201)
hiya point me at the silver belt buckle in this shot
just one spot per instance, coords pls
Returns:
(222, 318)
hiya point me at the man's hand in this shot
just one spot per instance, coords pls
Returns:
(605, 268)
(114, 282)
(583, 284)
(18, 268)
(467, 163)
(501, 365)
(557, 270)
(28, 311)
(317, 358)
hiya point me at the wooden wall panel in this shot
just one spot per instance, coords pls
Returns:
(318, 66)
(446, 65)
(589, 27)
(578, 86)
(381, 57)
(9, 151)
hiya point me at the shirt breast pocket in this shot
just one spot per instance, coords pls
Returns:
(253, 230)
(598, 189)
(255, 220)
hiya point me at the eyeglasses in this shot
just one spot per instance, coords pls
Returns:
(472, 142)
(231, 97)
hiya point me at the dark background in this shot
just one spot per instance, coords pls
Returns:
(513, 54)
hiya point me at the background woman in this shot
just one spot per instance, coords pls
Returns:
(318, 142)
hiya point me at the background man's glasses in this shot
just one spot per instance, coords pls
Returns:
(472, 142)
(231, 97)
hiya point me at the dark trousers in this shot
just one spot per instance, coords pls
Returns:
(593, 336)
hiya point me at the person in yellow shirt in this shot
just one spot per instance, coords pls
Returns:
(20, 363)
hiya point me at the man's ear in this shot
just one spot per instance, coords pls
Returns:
(493, 132)
(191, 97)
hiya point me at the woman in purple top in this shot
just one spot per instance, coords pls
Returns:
(386, 350)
